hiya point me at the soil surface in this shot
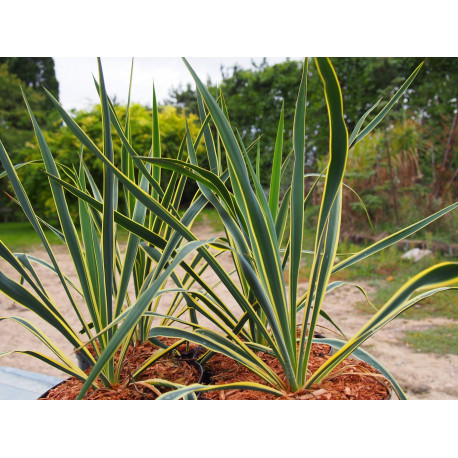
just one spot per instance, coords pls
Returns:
(421, 375)
(351, 379)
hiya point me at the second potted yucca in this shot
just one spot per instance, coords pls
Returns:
(264, 253)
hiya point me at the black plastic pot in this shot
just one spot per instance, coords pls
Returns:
(45, 394)
(83, 362)
(205, 374)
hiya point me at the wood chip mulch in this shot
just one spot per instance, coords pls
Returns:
(352, 379)
(169, 368)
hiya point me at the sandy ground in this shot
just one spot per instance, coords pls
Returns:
(422, 375)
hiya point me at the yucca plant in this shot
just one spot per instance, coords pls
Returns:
(255, 236)
(255, 227)
(103, 271)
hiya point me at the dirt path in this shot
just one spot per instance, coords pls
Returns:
(422, 375)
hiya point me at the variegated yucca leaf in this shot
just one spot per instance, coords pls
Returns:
(438, 278)
(182, 391)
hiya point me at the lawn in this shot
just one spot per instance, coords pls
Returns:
(20, 236)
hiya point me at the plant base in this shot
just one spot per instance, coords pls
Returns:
(352, 379)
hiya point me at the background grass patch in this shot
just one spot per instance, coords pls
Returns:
(439, 339)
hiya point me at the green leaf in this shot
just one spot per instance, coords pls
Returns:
(49, 266)
(361, 121)
(108, 231)
(50, 361)
(21, 295)
(282, 215)
(209, 143)
(156, 145)
(328, 228)
(49, 344)
(197, 388)
(22, 164)
(274, 194)
(138, 216)
(92, 251)
(297, 197)
(434, 279)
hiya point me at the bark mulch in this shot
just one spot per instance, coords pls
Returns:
(352, 379)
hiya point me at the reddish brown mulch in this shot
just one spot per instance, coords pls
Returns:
(352, 383)
(350, 380)
(169, 368)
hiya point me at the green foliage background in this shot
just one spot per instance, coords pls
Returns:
(66, 147)
(417, 131)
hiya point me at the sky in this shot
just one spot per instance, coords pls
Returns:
(77, 90)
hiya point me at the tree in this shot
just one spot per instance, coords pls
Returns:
(431, 99)
(16, 132)
(184, 99)
(15, 129)
(34, 72)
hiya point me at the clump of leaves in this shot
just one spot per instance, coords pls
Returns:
(255, 228)
(103, 269)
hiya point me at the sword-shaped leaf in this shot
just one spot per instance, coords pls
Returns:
(197, 388)
(438, 278)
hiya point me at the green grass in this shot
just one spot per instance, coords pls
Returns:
(390, 276)
(20, 236)
(385, 264)
(440, 339)
(443, 305)
(387, 272)
(209, 216)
